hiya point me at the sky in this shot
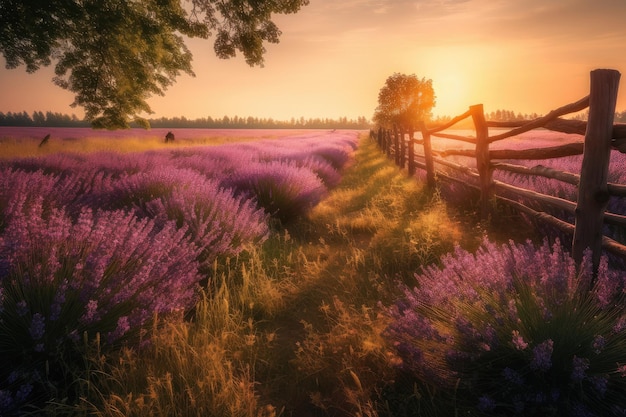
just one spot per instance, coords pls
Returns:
(529, 56)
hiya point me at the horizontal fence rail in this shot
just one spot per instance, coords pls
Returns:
(594, 191)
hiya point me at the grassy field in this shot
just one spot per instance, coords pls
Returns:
(294, 327)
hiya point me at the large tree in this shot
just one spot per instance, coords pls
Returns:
(115, 54)
(404, 101)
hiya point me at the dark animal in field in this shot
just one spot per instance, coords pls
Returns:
(44, 140)
(169, 137)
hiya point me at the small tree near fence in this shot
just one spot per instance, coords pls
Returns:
(403, 102)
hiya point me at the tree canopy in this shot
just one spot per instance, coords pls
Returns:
(115, 54)
(404, 101)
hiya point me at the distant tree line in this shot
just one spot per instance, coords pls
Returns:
(50, 119)
(40, 118)
(499, 115)
(506, 115)
(236, 122)
(620, 117)
(509, 115)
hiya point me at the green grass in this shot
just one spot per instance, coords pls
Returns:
(293, 327)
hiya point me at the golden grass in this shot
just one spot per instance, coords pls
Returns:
(23, 147)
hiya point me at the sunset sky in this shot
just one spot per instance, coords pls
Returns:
(334, 56)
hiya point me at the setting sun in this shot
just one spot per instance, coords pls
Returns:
(451, 89)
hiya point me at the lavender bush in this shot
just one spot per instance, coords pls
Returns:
(518, 331)
(107, 273)
(216, 221)
(284, 190)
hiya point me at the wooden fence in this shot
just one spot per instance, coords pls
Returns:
(600, 136)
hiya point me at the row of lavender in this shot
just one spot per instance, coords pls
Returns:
(552, 187)
(99, 243)
(617, 175)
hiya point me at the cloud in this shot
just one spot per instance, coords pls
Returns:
(387, 14)
(551, 20)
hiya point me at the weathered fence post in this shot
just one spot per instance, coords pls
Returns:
(411, 146)
(482, 159)
(593, 195)
(396, 145)
(402, 148)
(388, 142)
(428, 156)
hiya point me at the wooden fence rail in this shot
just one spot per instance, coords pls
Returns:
(600, 136)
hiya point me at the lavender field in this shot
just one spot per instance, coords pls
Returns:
(98, 243)
(301, 275)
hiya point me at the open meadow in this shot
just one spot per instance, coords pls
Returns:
(296, 273)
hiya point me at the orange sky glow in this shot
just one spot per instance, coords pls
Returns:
(334, 56)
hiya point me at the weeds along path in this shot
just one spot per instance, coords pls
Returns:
(339, 267)
(300, 319)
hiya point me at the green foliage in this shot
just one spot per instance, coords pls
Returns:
(404, 101)
(115, 54)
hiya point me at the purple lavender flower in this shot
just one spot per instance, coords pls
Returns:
(486, 404)
(123, 326)
(22, 308)
(59, 299)
(512, 376)
(542, 356)
(518, 341)
(6, 401)
(600, 384)
(23, 392)
(610, 284)
(579, 368)
(91, 312)
(598, 344)
(37, 326)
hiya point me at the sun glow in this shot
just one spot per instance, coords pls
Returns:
(451, 90)
(455, 73)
